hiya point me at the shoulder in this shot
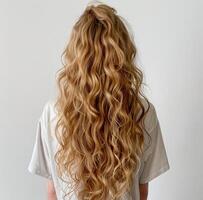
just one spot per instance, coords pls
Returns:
(151, 118)
(47, 119)
(150, 123)
(48, 113)
(153, 134)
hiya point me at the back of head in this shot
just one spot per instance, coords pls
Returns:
(100, 123)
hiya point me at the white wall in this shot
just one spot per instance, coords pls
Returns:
(169, 39)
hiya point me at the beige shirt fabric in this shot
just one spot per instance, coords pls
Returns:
(154, 161)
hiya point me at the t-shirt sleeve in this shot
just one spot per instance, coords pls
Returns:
(156, 162)
(40, 159)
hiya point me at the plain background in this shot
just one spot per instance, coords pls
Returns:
(168, 34)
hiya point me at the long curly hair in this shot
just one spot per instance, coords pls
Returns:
(100, 127)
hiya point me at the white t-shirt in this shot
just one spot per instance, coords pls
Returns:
(154, 161)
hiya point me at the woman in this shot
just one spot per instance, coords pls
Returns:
(100, 139)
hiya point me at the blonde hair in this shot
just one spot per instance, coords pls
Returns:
(100, 109)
